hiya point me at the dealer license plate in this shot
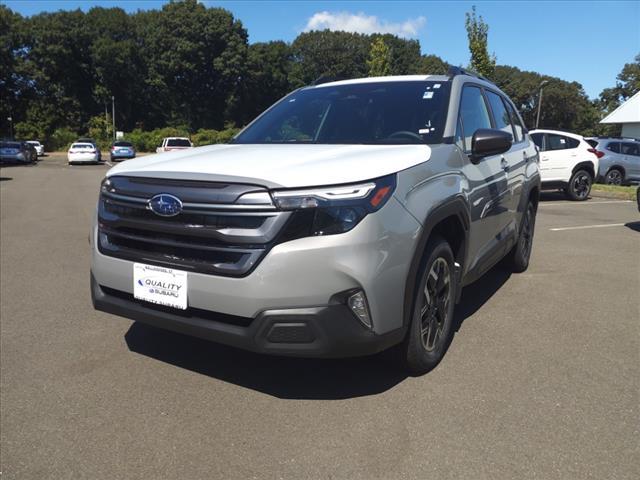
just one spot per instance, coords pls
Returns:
(163, 286)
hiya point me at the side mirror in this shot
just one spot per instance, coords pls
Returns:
(487, 142)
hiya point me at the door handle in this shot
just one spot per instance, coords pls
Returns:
(504, 164)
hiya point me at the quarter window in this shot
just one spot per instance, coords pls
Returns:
(473, 114)
(501, 116)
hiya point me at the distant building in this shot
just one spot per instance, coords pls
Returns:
(628, 115)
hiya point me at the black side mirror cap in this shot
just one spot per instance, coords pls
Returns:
(487, 142)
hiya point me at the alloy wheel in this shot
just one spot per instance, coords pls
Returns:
(435, 309)
(614, 177)
(581, 185)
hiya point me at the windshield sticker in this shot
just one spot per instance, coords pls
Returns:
(427, 95)
(422, 131)
(437, 85)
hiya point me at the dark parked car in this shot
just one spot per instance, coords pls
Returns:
(13, 151)
(122, 150)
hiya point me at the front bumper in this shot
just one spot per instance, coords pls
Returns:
(329, 331)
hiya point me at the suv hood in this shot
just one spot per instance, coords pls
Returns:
(278, 166)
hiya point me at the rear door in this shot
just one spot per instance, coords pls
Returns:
(559, 157)
(513, 162)
(631, 152)
(487, 182)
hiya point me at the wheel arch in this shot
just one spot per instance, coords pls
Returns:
(451, 221)
(585, 165)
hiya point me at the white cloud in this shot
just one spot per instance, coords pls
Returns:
(361, 23)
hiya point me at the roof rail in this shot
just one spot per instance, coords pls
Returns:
(326, 79)
(454, 71)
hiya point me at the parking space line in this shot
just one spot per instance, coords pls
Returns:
(585, 203)
(560, 229)
(109, 163)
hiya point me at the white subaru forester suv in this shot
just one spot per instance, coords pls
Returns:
(567, 162)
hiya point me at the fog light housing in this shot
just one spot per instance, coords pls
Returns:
(358, 305)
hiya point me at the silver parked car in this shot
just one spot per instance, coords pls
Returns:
(343, 221)
(620, 162)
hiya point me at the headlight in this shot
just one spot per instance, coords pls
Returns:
(106, 186)
(334, 209)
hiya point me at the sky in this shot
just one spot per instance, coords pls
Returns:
(584, 41)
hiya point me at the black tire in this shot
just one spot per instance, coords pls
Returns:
(615, 176)
(517, 260)
(579, 186)
(420, 352)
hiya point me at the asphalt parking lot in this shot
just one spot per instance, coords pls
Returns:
(542, 379)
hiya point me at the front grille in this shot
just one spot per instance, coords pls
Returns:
(215, 236)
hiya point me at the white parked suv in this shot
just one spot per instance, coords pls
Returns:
(174, 143)
(567, 162)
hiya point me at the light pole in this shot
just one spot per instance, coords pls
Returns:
(113, 115)
(542, 84)
(10, 120)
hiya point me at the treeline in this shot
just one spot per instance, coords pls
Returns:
(191, 68)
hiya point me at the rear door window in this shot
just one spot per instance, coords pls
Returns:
(614, 147)
(630, 149)
(517, 123)
(473, 114)
(556, 142)
(572, 142)
(501, 116)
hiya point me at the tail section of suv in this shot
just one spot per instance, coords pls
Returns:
(567, 162)
(343, 221)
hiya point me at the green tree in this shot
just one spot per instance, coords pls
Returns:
(379, 62)
(266, 78)
(477, 33)
(432, 65)
(328, 54)
(404, 55)
(565, 104)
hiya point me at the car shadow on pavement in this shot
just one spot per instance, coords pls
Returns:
(474, 296)
(295, 378)
(4, 179)
(281, 377)
(635, 226)
(555, 196)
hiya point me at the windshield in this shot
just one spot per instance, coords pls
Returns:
(9, 145)
(123, 144)
(384, 113)
(79, 146)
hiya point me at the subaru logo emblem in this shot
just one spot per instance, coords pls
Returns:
(165, 205)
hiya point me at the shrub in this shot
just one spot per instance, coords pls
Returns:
(61, 139)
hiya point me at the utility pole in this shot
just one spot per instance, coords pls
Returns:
(544, 82)
(113, 115)
(10, 119)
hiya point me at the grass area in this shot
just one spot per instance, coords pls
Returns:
(614, 191)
